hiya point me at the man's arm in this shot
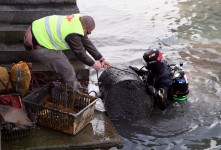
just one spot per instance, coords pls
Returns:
(91, 49)
(76, 45)
(160, 96)
(140, 72)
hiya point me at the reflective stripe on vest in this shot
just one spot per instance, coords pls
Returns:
(48, 30)
(51, 31)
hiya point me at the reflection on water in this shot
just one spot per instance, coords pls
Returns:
(187, 31)
(202, 19)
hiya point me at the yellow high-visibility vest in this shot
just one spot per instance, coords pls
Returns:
(51, 31)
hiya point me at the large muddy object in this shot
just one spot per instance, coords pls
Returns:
(124, 93)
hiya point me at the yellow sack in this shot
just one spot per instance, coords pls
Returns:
(21, 77)
(5, 83)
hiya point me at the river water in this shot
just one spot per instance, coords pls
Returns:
(187, 31)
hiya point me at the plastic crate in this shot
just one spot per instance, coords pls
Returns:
(61, 109)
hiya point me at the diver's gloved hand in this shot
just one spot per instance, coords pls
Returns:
(134, 68)
(140, 72)
(151, 90)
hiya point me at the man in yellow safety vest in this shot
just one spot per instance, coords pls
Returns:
(47, 37)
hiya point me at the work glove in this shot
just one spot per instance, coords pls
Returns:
(151, 90)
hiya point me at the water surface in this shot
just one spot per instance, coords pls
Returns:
(186, 31)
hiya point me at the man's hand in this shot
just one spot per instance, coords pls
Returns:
(105, 64)
(97, 65)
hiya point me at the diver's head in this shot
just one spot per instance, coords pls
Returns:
(151, 57)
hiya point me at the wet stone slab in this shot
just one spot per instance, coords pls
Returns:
(99, 133)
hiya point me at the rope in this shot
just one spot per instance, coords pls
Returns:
(16, 85)
(6, 86)
(22, 83)
(93, 92)
(18, 76)
(97, 82)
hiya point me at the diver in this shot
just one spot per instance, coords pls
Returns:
(166, 83)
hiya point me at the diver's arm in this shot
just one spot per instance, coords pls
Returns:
(140, 72)
(160, 96)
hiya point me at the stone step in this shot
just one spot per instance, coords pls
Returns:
(9, 47)
(36, 1)
(26, 14)
(12, 33)
(13, 53)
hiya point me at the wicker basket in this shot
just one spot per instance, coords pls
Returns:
(61, 109)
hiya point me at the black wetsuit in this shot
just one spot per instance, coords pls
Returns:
(160, 78)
